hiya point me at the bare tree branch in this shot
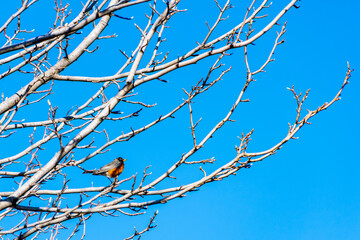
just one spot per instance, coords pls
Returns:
(40, 206)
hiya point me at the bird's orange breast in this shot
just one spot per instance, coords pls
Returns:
(113, 173)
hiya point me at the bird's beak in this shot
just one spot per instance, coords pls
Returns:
(124, 160)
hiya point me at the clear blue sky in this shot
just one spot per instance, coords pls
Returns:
(308, 190)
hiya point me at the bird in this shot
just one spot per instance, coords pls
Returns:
(110, 170)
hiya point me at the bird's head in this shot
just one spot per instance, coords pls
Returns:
(120, 159)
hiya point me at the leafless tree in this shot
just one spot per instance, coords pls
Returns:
(40, 62)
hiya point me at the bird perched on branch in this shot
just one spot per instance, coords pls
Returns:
(111, 170)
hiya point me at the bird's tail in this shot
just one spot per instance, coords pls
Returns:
(88, 171)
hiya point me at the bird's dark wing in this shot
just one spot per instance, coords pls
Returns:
(107, 167)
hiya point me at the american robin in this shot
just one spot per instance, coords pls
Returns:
(112, 169)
